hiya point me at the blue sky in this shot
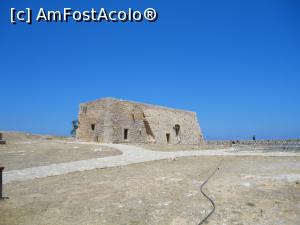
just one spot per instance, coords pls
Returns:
(236, 63)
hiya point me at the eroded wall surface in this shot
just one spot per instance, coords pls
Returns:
(118, 121)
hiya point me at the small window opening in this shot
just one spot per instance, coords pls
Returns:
(125, 134)
(84, 109)
(133, 118)
(168, 137)
(93, 126)
(177, 129)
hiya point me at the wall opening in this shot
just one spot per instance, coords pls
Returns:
(125, 134)
(133, 118)
(177, 129)
(168, 137)
(84, 109)
(93, 126)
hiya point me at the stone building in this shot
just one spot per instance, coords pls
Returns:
(112, 120)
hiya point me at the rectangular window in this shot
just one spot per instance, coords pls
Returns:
(168, 137)
(93, 126)
(125, 134)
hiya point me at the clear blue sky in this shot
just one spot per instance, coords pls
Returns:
(236, 63)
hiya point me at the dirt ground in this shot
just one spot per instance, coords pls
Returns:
(246, 189)
(172, 148)
(24, 151)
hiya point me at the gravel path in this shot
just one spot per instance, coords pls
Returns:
(130, 155)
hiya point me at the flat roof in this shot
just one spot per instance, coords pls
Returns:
(137, 103)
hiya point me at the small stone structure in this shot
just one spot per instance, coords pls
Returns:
(112, 120)
(2, 141)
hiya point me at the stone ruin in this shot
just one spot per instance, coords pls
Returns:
(110, 120)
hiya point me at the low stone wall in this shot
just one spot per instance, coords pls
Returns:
(250, 142)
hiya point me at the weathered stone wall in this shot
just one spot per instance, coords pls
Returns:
(144, 123)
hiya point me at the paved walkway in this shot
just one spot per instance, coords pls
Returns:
(130, 155)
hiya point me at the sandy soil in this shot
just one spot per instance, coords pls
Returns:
(258, 190)
(247, 190)
(174, 148)
(24, 151)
